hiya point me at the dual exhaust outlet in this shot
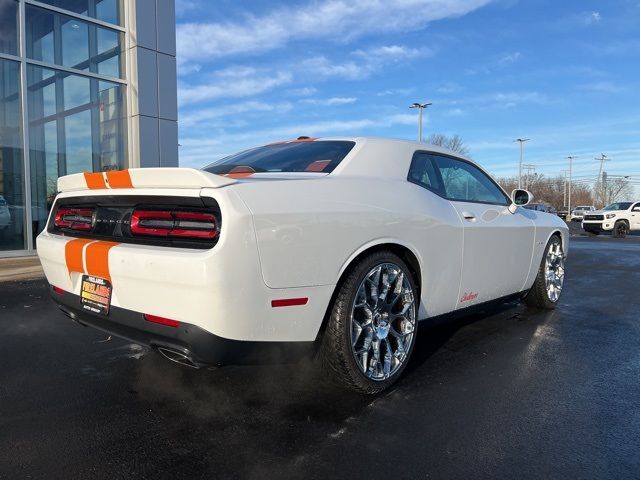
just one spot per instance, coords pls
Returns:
(177, 357)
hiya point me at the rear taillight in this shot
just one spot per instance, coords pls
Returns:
(74, 218)
(174, 224)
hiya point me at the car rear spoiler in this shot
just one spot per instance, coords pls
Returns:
(143, 178)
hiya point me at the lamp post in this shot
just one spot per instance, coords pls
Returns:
(570, 158)
(521, 141)
(420, 107)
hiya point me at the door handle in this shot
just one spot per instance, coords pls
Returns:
(469, 216)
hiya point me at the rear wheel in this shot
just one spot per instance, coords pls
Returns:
(620, 229)
(547, 287)
(372, 324)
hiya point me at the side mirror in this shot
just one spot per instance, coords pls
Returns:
(520, 198)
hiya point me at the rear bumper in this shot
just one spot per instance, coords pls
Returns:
(201, 347)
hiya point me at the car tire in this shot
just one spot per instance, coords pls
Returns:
(620, 229)
(546, 289)
(372, 325)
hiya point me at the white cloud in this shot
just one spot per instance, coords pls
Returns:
(209, 115)
(510, 58)
(340, 20)
(395, 92)
(325, 68)
(233, 82)
(454, 112)
(365, 61)
(329, 102)
(601, 87)
(592, 17)
(393, 53)
(302, 92)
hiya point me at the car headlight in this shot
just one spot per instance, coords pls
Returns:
(611, 215)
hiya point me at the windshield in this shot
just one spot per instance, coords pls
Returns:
(583, 208)
(618, 206)
(297, 156)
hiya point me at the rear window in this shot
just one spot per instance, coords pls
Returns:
(297, 156)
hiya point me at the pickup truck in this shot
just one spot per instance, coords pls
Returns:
(619, 218)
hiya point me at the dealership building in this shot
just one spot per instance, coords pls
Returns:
(85, 85)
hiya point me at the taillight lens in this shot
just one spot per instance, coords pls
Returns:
(74, 218)
(176, 224)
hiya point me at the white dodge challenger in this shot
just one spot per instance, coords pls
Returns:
(338, 246)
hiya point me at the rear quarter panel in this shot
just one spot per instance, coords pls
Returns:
(308, 231)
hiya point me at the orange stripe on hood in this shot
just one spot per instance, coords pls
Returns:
(73, 254)
(119, 179)
(97, 259)
(94, 180)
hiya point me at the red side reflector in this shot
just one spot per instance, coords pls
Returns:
(289, 302)
(58, 290)
(161, 320)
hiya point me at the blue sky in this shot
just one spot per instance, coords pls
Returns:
(564, 73)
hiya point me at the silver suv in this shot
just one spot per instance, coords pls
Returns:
(578, 212)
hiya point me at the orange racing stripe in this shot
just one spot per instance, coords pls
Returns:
(73, 254)
(119, 179)
(94, 180)
(97, 259)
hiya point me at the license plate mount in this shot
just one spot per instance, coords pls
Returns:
(95, 295)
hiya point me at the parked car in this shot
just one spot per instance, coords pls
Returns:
(5, 215)
(619, 218)
(379, 235)
(541, 207)
(563, 213)
(578, 212)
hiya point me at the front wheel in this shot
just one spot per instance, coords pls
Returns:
(620, 229)
(372, 325)
(547, 287)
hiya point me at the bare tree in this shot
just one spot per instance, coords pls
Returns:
(453, 143)
(613, 190)
(550, 191)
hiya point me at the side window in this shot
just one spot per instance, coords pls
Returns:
(423, 172)
(465, 182)
(636, 207)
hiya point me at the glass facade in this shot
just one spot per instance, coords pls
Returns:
(68, 72)
(12, 201)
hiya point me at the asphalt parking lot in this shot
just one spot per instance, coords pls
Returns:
(507, 393)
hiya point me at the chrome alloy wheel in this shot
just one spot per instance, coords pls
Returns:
(383, 321)
(554, 271)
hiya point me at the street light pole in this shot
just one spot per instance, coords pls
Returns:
(420, 107)
(570, 158)
(521, 141)
(603, 158)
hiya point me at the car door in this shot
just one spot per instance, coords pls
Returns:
(635, 217)
(498, 244)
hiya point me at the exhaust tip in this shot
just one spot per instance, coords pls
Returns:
(177, 357)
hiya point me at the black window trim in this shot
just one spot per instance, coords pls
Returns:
(441, 193)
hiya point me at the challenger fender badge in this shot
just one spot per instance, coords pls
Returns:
(467, 297)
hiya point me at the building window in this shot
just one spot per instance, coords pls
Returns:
(109, 11)
(62, 40)
(12, 205)
(9, 27)
(76, 124)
